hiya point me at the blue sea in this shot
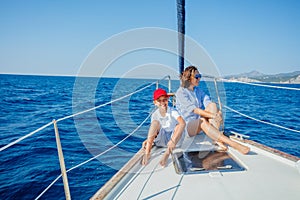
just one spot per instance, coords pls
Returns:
(30, 102)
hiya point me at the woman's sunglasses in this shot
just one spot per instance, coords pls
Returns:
(197, 76)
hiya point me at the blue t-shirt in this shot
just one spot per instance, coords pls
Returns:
(187, 101)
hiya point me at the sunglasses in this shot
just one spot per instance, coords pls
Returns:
(197, 76)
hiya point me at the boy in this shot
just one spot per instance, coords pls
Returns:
(166, 128)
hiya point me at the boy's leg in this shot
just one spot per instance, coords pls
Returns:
(178, 135)
(153, 129)
(152, 133)
(176, 138)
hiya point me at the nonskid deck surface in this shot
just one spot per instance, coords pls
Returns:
(264, 176)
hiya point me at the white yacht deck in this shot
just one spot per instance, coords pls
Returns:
(266, 176)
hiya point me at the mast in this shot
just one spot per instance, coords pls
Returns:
(181, 33)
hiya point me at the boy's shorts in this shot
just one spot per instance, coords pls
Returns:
(164, 137)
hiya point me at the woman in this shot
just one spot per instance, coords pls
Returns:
(199, 112)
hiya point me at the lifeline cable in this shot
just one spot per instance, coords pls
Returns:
(262, 85)
(261, 121)
(69, 116)
(102, 153)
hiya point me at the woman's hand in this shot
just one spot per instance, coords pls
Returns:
(218, 117)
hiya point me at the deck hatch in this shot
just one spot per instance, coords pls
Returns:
(204, 161)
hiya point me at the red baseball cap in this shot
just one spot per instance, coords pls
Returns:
(158, 93)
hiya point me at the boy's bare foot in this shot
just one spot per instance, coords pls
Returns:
(145, 159)
(163, 160)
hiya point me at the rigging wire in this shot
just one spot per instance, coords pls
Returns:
(105, 104)
(25, 136)
(102, 153)
(261, 121)
(70, 116)
(94, 108)
(261, 85)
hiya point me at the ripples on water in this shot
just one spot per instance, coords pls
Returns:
(29, 102)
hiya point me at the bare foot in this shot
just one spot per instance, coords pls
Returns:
(163, 160)
(242, 149)
(145, 159)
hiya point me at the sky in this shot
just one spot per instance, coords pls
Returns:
(56, 37)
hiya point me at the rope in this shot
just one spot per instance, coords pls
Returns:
(24, 137)
(261, 121)
(263, 85)
(112, 147)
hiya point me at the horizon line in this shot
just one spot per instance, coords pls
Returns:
(76, 76)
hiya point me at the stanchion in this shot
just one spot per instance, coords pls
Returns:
(62, 162)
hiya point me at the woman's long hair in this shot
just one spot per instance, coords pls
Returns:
(186, 76)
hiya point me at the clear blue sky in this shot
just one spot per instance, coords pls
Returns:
(54, 37)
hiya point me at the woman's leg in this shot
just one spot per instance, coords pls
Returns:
(193, 127)
(212, 107)
(216, 135)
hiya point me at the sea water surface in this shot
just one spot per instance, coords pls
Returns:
(29, 102)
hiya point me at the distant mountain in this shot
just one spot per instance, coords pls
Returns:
(251, 74)
(255, 76)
